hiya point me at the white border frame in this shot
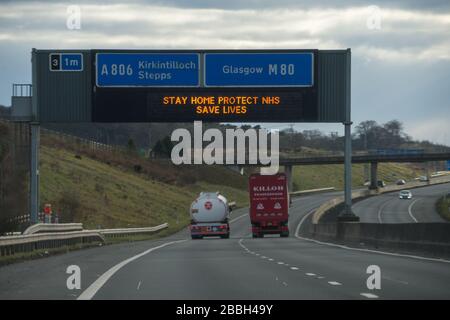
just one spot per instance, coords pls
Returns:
(258, 86)
(148, 86)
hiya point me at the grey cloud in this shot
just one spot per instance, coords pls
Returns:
(421, 5)
(413, 90)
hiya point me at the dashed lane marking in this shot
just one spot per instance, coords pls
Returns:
(90, 292)
(369, 295)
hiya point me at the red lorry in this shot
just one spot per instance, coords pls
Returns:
(269, 204)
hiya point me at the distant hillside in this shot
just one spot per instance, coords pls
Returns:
(367, 135)
(143, 135)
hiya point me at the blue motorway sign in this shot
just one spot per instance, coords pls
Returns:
(259, 69)
(448, 165)
(66, 62)
(147, 69)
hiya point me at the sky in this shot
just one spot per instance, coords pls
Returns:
(400, 49)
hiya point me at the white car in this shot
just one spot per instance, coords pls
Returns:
(405, 194)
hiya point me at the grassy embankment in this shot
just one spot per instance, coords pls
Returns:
(443, 207)
(102, 189)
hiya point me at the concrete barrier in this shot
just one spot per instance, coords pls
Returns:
(429, 238)
(336, 201)
(426, 238)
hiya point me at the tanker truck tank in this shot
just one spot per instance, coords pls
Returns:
(209, 216)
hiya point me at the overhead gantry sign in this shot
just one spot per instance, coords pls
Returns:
(186, 85)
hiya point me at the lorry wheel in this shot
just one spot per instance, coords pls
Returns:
(255, 235)
(284, 234)
(196, 237)
(225, 236)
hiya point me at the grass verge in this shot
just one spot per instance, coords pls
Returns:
(443, 207)
(42, 253)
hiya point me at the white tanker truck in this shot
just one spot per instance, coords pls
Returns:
(209, 216)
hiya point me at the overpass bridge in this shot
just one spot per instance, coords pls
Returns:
(365, 158)
(373, 159)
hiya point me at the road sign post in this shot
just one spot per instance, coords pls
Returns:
(347, 214)
(34, 179)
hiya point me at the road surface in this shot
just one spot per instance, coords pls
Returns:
(388, 208)
(177, 267)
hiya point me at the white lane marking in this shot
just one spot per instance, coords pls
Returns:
(369, 295)
(280, 262)
(297, 230)
(263, 257)
(139, 285)
(310, 274)
(410, 212)
(89, 293)
(285, 284)
(380, 211)
(394, 280)
(294, 268)
(270, 259)
(334, 283)
(237, 218)
(320, 277)
(301, 198)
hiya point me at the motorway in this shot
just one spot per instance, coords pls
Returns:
(388, 208)
(177, 267)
